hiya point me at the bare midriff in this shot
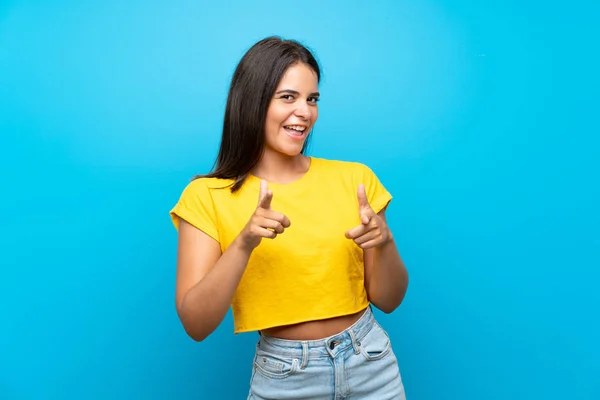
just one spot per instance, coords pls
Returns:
(314, 330)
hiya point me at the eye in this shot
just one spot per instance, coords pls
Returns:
(287, 97)
(313, 99)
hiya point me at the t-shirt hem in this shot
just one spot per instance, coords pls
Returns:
(180, 211)
(381, 202)
(298, 321)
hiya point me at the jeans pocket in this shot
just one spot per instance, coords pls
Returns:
(274, 366)
(376, 343)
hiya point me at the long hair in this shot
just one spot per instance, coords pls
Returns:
(252, 86)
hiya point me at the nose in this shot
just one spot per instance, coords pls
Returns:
(303, 111)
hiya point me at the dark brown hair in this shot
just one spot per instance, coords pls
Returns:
(253, 84)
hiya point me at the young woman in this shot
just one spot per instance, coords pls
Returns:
(298, 246)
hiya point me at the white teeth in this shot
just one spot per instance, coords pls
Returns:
(296, 128)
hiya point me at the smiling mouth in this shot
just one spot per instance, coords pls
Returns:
(295, 130)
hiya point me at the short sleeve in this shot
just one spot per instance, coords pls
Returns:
(196, 207)
(378, 195)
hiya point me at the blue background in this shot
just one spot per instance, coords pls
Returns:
(480, 118)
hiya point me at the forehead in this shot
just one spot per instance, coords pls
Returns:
(299, 76)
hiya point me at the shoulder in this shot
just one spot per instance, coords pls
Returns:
(202, 190)
(353, 174)
(203, 184)
(346, 167)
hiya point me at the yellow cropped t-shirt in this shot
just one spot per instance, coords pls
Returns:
(311, 271)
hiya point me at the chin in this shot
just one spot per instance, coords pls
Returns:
(286, 146)
(290, 150)
(291, 153)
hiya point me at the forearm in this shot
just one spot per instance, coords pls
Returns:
(206, 304)
(388, 279)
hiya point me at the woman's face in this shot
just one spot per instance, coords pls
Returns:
(293, 111)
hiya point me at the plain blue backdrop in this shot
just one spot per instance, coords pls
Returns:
(479, 117)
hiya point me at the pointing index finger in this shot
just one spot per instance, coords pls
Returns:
(265, 195)
(363, 201)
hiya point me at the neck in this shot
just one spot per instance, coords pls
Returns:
(279, 168)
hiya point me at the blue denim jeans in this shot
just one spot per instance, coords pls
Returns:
(358, 363)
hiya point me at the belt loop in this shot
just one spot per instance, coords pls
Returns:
(304, 355)
(355, 343)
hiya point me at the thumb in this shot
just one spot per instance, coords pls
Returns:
(265, 195)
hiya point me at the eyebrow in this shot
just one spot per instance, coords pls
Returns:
(315, 94)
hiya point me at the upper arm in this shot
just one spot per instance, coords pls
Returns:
(198, 249)
(197, 253)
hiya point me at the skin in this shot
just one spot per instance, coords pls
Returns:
(207, 279)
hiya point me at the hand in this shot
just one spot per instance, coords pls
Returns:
(264, 223)
(373, 230)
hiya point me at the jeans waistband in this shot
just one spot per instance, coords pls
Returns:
(332, 345)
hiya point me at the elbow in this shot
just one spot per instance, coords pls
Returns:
(385, 304)
(196, 336)
(388, 307)
(193, 327)
(398, 296)
(389, 302)
(196, 332)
